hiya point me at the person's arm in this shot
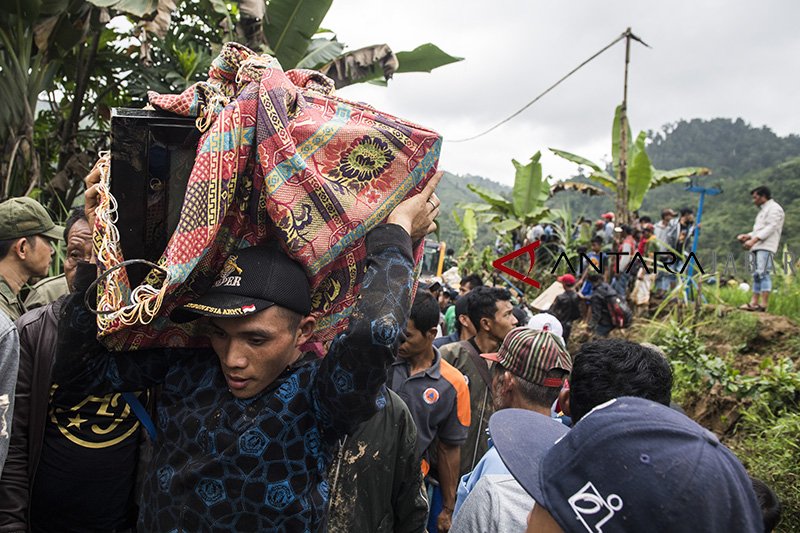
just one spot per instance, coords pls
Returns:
(773, 221)
(83, 364)
(14, 488)
(353, 371)
(409, 501)
(9, 363)
(449, 457)
(451, 435)
(477, 512)
(597, 303)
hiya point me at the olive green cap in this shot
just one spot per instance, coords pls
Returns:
(25, 217)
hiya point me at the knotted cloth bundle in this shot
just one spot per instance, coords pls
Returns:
(281, 158)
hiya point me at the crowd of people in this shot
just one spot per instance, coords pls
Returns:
(613, 283)
(452, 410)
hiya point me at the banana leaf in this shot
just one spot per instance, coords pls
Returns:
(640, 174)
(527, 185)
(493, 199)
(584, 188)
(598, 175)
(290, 25)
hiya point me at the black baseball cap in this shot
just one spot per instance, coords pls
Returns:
(252, 280)
(632, 465)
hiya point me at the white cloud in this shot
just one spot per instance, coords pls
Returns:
(709, 59)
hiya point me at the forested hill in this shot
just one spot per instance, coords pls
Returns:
(740, 156)
(453, 190)
(728, 147)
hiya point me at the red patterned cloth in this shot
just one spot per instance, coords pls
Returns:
(283, 159)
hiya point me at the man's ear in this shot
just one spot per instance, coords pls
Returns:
(21, 247)
(507, 381)
(430, 334)
(563, 401)
(484, 324)
(305, 329)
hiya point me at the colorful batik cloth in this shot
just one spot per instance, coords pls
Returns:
(282, 158)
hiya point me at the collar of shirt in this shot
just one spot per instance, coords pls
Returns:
(6, 293)
(433, 371)
(766, 204)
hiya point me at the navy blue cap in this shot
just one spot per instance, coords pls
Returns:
(634, 465)
(539, 433)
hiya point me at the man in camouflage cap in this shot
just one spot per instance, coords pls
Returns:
(26, 250)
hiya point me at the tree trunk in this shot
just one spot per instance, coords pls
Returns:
(69, 129)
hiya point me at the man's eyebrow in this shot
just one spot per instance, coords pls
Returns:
(253, 332)
(256, 332)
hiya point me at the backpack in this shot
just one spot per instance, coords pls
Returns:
(619, 310)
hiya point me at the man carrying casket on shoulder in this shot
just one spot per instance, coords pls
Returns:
(244, 439)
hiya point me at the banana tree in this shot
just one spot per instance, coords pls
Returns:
(642, 176)
(290, 30)
(528, 198)
(526, 206)
(65, 50)
(294, 37)
(468, 225)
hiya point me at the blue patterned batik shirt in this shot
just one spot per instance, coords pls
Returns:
(226, 464)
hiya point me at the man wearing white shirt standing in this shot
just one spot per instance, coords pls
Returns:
(763, 244)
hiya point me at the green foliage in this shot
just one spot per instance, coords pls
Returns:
(454, 193)
(321, 51)
(767, 436)
(641, 174)
(598, 175)
(527, 204)
(733, 148)
(64, 67)
(468, 226)
(774, 388)
(424, 58)
(528, 188)
(502, 205)
(694, 368)
(137, 8)
(784, 299)
(290, 25)
(742, 157)
(769, 447)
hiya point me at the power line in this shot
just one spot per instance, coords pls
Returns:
(556, 84)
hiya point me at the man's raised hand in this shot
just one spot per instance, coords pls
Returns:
(417, 214)
(91, 195)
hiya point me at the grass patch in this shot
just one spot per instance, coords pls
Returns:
(737, 328)
(702, 352)
(784, 299)
(768, 447)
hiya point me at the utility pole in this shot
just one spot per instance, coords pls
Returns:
(622, 164)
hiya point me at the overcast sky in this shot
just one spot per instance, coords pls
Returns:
(710, 58)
